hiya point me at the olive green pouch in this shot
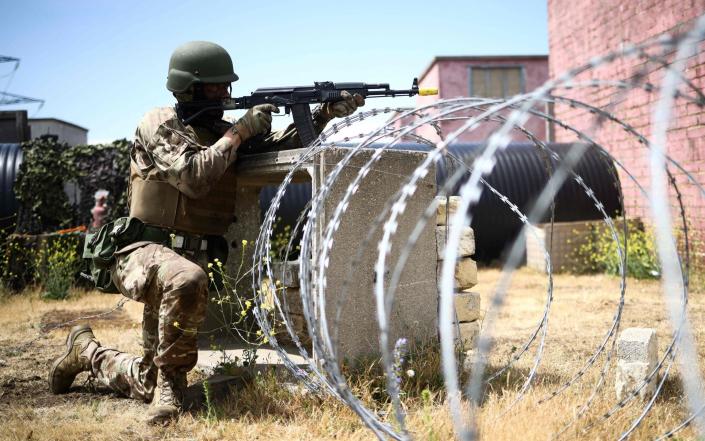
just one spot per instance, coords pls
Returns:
(100, 247)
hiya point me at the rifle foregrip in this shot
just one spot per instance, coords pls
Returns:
(304, 123)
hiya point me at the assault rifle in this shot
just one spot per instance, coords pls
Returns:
(296, 100)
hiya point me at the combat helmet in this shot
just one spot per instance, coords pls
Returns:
(199, 62)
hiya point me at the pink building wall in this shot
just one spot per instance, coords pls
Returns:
(581, 29)
(451, 75)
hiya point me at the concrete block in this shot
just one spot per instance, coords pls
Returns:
(247, 226)
(221, 387)
(466, 247)
(637, 345)
(630, 375)
(568, 237)
(210, 359)
(297, 322)
(471, 358)
(268, 290)
(298, 325)
(415, 303)
(287, 273)
(465, 273)
(637, 355)
(415, 308)
(451, 207)
(467, 306)
(469, 332)
(293, 304)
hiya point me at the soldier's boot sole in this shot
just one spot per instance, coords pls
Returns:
(162, 415)
(61, 383)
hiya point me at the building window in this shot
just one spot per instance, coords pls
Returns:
(496, 81)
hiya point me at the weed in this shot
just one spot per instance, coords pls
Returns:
(427, 411)
(280, 242)
(56, 263)
(211, 413)
(600, 252)
(16, 262)
(692, 255)
(240, 307)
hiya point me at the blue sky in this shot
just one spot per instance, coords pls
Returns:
(103, 64)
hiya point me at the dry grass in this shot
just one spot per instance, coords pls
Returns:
(582, 311)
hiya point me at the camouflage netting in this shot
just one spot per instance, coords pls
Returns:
(50, 166)
(48, 172)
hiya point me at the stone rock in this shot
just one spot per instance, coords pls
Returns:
(465, 273)
(450, 208)
(466, 247)
(467, 306)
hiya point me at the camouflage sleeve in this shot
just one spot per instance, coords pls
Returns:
(288, 138)
(173, 155)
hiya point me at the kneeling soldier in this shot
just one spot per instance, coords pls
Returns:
(182, 187)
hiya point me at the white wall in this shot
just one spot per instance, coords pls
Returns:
(67, 133)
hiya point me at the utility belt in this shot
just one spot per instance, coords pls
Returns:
(129, 233)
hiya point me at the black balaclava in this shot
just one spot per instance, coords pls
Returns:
(192, 101)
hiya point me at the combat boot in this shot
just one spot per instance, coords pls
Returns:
(80, 347)
(168, 398)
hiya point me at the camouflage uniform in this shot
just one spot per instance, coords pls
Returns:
(173, 288)
(174, 292)
(182, 180)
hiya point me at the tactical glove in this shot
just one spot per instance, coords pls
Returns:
(343, 108)
(257, 121)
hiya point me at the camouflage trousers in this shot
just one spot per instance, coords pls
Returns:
(174, 291)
